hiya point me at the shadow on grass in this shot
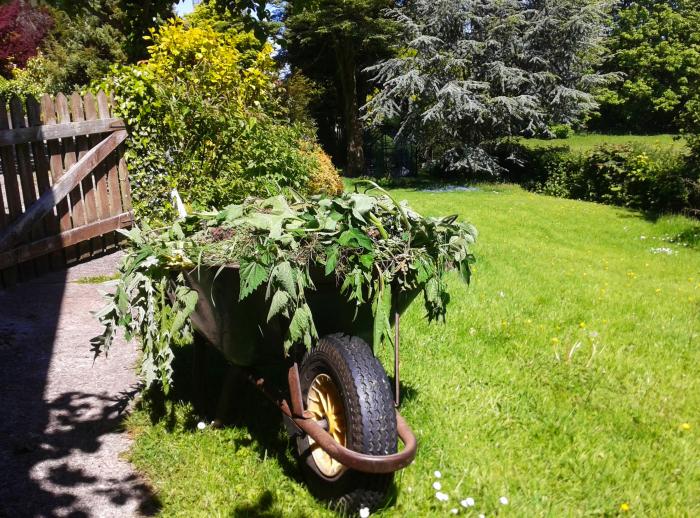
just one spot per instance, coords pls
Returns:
(244, 407)
(263, 508)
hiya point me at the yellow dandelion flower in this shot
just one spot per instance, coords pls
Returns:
(624, 507)
(658, 290)
(555, 340)
(685, 427)
(582, 325)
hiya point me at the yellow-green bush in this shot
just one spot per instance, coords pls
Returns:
(324, 177)
(204, 117)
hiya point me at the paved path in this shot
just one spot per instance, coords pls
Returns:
(60, 415)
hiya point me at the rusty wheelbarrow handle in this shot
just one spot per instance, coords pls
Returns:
(362, 461)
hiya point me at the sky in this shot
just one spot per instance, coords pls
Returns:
(183, 7)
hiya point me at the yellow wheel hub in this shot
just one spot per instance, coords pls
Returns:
(324, 402)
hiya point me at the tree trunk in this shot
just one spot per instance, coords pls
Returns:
(345, 57)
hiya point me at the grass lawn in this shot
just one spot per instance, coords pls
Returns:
(567, 379)
(583, 143)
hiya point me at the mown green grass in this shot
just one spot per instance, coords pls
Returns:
(583, 143)
(567, 378)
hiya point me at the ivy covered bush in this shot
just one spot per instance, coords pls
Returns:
(205, 118)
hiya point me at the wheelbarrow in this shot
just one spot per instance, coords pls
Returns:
(338, 403)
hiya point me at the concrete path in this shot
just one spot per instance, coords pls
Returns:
(61, 442)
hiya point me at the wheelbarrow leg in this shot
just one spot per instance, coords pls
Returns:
(199, 374)
(232, 382)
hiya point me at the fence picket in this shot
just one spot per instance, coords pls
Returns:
(28, 184)
(43, 177)
(11, 185)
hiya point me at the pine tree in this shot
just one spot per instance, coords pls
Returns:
(472, 71)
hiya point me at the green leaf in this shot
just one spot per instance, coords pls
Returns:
(367, 260)
(381, 305)
(279, 303)
(332, 254)
(356, 239)
(252, 275)
(283, 273)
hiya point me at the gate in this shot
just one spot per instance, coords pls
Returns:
(64, 188)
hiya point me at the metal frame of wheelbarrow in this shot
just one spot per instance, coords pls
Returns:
(304, 424)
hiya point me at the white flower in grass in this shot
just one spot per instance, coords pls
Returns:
(443, 497)
(467, 502)
(437, 474)
(482, 516)
(437, 486)
(454, 510)
(503, 500)
(201, 425)
(364, 512)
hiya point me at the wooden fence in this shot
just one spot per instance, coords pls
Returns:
(64, 188)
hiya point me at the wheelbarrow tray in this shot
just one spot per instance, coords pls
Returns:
(241, 331)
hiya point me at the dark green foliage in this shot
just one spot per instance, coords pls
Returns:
(624, 175)
(467, 73)
(331, 42)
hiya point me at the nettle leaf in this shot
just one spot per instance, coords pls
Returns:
(381, 306)
(284, 274)
(252, 274)
(355, 238)
(278, 305)
(332, 254)
(367, 260)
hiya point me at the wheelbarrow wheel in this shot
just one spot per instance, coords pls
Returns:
(346, 389)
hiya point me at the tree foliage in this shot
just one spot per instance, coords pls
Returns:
(88, 37)
(657, 47)
(331, 42)
(469, 71)
(22, 29)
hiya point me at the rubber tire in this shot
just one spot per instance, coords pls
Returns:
(370, 418)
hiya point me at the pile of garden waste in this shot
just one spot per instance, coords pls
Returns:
(371, 244)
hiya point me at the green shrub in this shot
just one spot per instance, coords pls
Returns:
(561, 131)
(204, 118)
(624, 175)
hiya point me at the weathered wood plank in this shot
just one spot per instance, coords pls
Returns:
(110, 176)
(100, 172)
(43, 183)
(60, 189)
(14, 202)
(76, 200)
(9, 169)
(115, 201)
(86, 187)
(48, 115)
(124, 185)
(68, 238)
(27, 181)
(59, 131)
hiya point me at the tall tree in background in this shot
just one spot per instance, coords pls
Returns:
(331, 42)
(657, 46)
(471, 71)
